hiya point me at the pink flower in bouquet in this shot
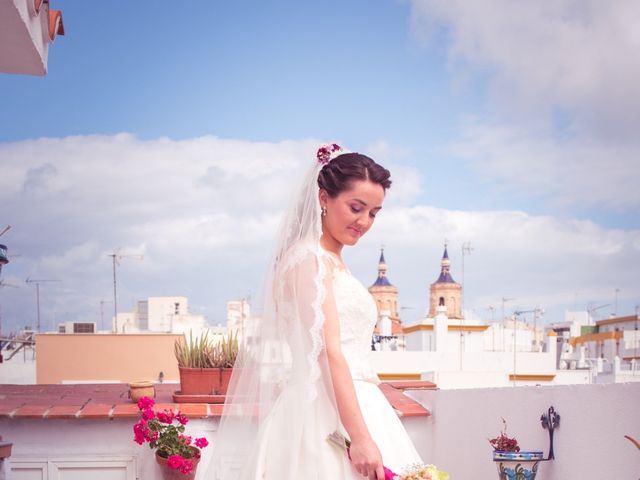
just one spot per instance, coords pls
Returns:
(413, 472)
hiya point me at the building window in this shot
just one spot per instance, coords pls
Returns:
(83, 328)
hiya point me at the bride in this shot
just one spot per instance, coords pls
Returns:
(303, 372)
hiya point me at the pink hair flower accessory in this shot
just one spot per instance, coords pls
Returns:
(328, 152)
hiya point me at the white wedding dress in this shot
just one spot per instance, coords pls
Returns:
(357, 316)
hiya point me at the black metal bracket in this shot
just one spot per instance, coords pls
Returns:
(550, 421)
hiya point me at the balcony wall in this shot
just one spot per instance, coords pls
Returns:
(589, 443)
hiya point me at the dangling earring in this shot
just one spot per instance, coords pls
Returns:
(323, 212)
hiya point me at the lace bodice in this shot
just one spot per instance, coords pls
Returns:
(357, 313)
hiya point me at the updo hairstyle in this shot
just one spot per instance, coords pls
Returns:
(339, 174)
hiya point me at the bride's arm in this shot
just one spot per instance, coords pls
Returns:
(365, 455)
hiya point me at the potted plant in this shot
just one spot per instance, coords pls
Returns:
(5, 449)
(176, 453)
(512, 463)
(205, 367)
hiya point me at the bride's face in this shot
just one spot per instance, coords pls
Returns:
(352, 212)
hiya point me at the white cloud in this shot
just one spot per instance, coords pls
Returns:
(203, 212)
(535, 259)
(575, 55)
(571, 172)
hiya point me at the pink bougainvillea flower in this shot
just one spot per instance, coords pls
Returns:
(175, 461)
(201, 442)
(145, 403)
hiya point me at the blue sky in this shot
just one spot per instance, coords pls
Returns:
(511, 126)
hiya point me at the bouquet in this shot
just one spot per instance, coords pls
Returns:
(412, 472)
(164, 431)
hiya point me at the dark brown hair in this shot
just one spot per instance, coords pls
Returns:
(340, 173)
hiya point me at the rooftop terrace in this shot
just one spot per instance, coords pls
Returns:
(85, 431)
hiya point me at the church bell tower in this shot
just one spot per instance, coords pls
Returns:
(445, 291)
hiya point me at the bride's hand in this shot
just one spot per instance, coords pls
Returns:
(366, 459)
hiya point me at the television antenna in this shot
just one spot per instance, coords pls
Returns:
(2, 285)
(37, 283)
(116, 257)
(537, 312)
(591, 309)
(102, 302)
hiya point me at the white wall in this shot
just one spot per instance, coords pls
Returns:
(492, 365)
(78, 445)
(589, 442)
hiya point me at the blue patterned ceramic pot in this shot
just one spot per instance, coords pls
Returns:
(517, 465)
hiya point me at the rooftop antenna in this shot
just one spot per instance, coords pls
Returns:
(38, 282)
(537, 312)
(591, 309)
(466, 248)
(2, 285)
(115, 257)
(4, 258)
(102, 302)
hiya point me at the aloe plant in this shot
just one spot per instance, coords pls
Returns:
(201, 352)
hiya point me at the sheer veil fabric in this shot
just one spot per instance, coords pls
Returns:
(281, 406)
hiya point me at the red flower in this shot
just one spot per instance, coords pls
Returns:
(175, 461)
(148, 414)
(186, 467)
(145, 403)
(324, 152)
(181, 418)
(140, 432)
(165, 417)
(186, 439)
(201, 442)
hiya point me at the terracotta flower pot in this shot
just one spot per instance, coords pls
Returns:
(137, 390)
(5, 449)
(204, 381)
(169, 473)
